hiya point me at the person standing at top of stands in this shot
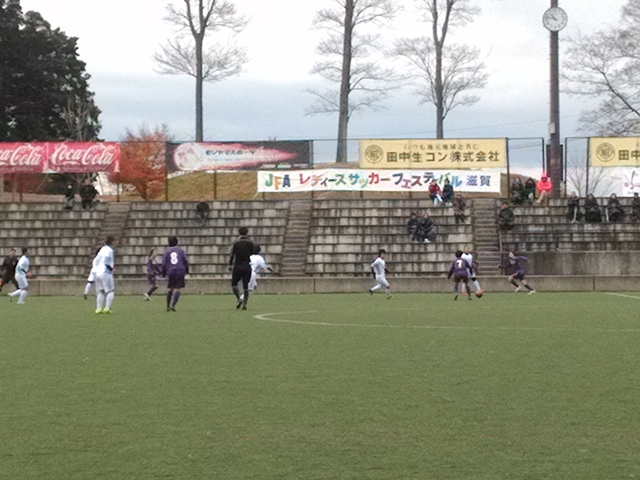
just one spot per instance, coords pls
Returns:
(87, 193)
(21, 276)
(8, 268)
(239, 264)
(544, 189)
(635, 207)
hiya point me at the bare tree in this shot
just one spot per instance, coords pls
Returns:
(442, 72)
(606, 66)
(351, 61)
(186, 53)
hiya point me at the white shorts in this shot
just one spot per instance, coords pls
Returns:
(105, 283)
(21, 279)
(92, 277)
(382, 281)
(254, 281)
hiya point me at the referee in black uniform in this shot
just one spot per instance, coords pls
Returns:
(241, 250)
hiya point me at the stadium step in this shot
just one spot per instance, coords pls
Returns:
(485, 233)
(115, 221)
(296, 239)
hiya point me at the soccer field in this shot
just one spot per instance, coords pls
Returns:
(542, 386)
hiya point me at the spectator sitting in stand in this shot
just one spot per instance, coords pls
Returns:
(574, 214)
(87, 194)
(458, 208)
(518, 194)
(435, 193)
(530, 190)
(506, 218)
(635, 207)
(69, 198)
(592, 213)
(447, 193)
(412, 226)
(426, 229)
(544, 189)
(615, 213)
(202, 209)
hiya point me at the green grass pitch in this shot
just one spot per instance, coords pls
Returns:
(333, 387)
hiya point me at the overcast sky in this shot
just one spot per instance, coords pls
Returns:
(117, 39)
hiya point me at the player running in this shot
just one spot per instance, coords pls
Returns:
(518, 272)
(8, 268)
(460, 269)
(379, 271)
(91, 279)
(239, 264)
(105, 284)
(22, 275)
(468, 256)
(257, 264)
(152, 270)
(174, 266)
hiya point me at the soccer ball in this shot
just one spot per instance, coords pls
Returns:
(479, 293)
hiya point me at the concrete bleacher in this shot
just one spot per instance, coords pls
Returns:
(61, 242)
(345, 236)
(207, 246)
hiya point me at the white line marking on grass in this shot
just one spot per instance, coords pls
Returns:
(266, 318)
(622, 295)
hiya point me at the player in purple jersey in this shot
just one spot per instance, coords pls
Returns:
(518, 272)
(174, 266)
(152, 270)
(460, 269)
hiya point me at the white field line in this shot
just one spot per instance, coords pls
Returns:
(622, 295)
(267, 317)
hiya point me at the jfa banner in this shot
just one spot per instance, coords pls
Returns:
(434, 154)
(188, 157)
(614, 151)
(376, 180)
(59, 157)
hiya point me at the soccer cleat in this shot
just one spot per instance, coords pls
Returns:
(370, 292)
(10, 297)
(173, 309)
(85, 296)
(389, 297)
(146, 297)
(518, 288)
(107, 311)
(469, 297)
(532, 292)
(98, 311)
(20, 303)
(239, 304)
(456, 297)
(244, 305)
(168, 309)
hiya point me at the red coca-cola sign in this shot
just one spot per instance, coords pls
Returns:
(85, 157)
(59, 157)
(23, 157)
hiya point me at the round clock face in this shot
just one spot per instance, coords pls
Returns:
(555, 19)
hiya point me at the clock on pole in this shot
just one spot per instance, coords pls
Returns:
(555, 19)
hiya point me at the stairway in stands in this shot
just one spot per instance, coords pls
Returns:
(115, 221)
(487, 239)
(296, 240)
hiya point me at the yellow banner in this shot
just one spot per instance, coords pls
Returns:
(614, 151)
(434, 154)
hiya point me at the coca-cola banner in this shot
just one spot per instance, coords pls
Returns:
(237, 155)
(59, 157)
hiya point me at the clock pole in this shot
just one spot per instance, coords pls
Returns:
(554, 160)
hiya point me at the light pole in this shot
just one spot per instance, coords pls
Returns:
(554, 19)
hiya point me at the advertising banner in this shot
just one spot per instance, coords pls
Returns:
(59, 157)
(614, 151)
(434, 154)
(188, 157)
(335, 179)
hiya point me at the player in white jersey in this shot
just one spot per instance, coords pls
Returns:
(22, 275)
(468, 257)
(379, 270)
(92, 276)
(257, 264)
(105, 285)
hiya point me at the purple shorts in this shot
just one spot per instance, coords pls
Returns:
(518, 275)
(460, 278)
(151, 279)
(175, 280)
